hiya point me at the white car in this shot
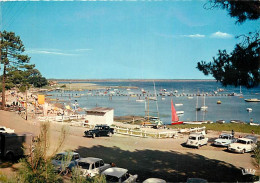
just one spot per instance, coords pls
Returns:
(224, 140)
(91, 166)
(120, 175)
(154, 180)
(243, 145)
(3, 129)
(196, 140)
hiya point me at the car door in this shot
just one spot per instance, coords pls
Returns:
(96, 169)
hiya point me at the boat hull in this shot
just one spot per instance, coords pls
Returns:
(177, 122)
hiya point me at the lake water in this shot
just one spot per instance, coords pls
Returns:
(231, 108)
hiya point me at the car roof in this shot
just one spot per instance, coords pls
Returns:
(89, 160)
(66, 153)
(226, 134)
(245, 139)
(115, 171)
(154, 180)
(195, 134)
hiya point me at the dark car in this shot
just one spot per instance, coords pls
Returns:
(100, 130)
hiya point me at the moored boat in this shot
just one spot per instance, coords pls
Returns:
(252, 100)
(249, 109)
(237, 122)
(254, 124)
(175, 118)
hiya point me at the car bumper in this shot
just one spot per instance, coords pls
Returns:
(192, 145)
(219, 144)
(235, 150)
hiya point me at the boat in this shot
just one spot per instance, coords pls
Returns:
(190, 97)
(175, 118)
(254, 124)
(204, 107)
(218, 102)
(139, 100)
(237, 122)
(179, 104)
(153, 98)
(249, 109)
(220, 121)
(252, 100)
(196, 122)
(179, 112)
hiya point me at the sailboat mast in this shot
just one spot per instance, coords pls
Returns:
(156, 100)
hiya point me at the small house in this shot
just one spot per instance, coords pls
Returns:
(100, 115)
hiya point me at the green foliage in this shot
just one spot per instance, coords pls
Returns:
(77, 178)
(244, 128)
(37, 166)
(241, 10)
(256, 155)
(240, 67)
(63, 86)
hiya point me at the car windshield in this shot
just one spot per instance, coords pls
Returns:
(192, 138)
(224, 137)
(241, 141)
(59, 157)
(84, 165)
(110, 178)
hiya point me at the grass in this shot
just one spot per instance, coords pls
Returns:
(244, 128)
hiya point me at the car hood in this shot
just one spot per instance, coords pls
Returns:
(223, 141)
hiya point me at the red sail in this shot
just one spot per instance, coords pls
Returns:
(174, 115)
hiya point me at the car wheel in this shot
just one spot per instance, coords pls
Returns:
(10, 156)
(243, 151)
(94, 135)
(110, 134)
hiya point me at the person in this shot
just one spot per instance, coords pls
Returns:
(233, 133)
(253, 132)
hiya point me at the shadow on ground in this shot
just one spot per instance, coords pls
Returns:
(171, 166)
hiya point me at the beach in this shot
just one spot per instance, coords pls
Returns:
(163, 158)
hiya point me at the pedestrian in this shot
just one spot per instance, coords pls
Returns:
(233, 133)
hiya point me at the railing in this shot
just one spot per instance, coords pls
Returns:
(144, 133)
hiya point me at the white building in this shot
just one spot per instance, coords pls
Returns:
(100, 115)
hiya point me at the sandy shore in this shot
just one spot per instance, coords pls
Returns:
(147, 157)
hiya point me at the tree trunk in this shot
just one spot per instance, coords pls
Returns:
(3, 88)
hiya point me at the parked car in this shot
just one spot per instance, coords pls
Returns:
(197, 140)
(196, 180)
(100, 130)
(65, 161)
(224, 140)
(120, 175)
(3, 129)
(91, 166)
(11, 144)
(154, 180)
(242, 145)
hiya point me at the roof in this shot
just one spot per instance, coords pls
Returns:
(245, 139)
(115, 171)
(99, 110)
(89, 160)
(154, 180)
(226, 134)
(65, 153)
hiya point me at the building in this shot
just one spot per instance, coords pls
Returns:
(100, 115)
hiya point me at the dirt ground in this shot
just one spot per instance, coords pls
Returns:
(168, 159)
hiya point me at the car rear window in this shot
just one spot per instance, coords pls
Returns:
(110, 178)
(84, 165)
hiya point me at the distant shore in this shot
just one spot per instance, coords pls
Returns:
(132, 80)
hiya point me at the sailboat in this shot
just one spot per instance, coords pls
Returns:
(204, 107)
(175, 118)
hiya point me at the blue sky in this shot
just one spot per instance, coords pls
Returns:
(127, 40)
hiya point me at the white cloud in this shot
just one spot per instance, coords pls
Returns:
(194, 36)
(57, 51)
(221, 35)
(46, 52)
(83, 49)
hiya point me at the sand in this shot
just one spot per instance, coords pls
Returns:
(163, 158)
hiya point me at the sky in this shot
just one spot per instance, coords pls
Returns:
(121, 39)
